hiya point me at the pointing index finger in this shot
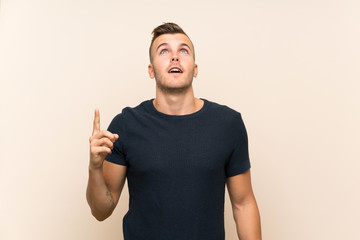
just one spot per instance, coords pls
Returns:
(96, 121)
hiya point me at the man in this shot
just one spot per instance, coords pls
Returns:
(177, 153)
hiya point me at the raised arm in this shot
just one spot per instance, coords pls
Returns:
(106, 180)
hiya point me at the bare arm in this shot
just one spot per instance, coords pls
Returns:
(104, 188)
(245, 210)
(106, 180)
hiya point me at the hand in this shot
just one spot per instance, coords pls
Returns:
(101, 143)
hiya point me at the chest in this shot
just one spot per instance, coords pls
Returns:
(187, 146)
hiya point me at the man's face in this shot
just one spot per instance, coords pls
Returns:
(173, 65)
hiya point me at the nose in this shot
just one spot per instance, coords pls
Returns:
(174, 59)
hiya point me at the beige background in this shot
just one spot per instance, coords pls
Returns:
(290, 67)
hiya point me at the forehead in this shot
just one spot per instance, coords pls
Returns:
(172, 39)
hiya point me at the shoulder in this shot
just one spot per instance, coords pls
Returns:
(225, 112)
(128, 116)
(136, 111)
(228, 117)
(131, 113)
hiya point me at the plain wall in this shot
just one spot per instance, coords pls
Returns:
(292, 68)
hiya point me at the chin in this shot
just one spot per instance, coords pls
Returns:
(173, 87)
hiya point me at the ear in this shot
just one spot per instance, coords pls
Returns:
(151, 71)
(195, 71)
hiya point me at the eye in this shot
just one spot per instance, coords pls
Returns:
(184, 51)
(163, 51)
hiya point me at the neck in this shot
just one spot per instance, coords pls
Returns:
(177, 104)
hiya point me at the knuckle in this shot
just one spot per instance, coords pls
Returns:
(107, 143)
(93, 142)
(112, 137)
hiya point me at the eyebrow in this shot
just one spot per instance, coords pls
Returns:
(165, 44)
(184, 44)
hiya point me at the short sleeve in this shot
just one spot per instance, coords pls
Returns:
(239, 160)
(117, 154)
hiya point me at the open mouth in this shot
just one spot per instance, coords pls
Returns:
(175, 70)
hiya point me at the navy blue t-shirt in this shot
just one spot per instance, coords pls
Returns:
(177, 167)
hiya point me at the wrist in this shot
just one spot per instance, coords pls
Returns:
(95, 168)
